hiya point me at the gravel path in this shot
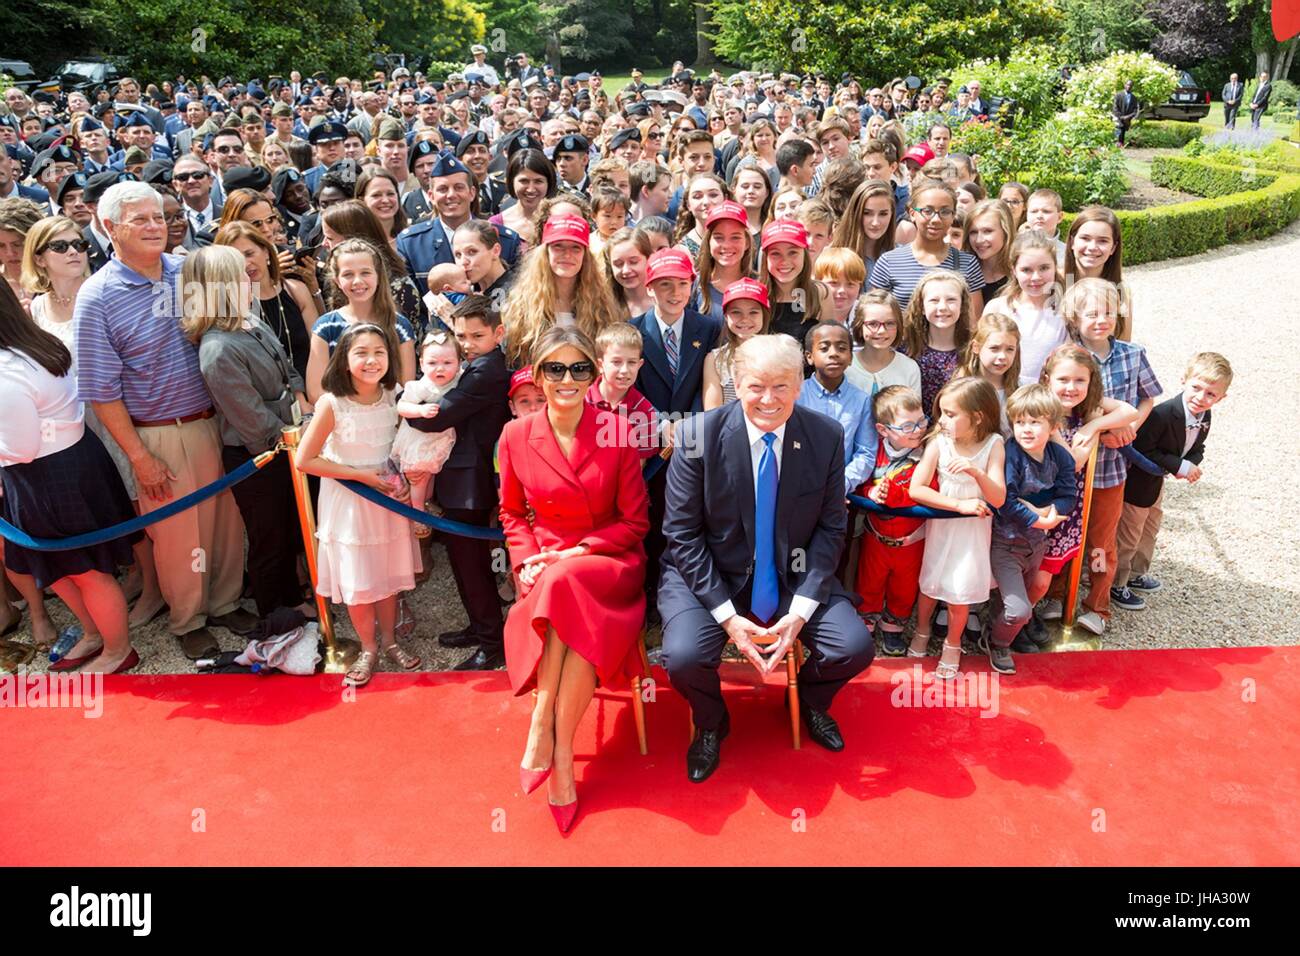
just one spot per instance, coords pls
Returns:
(1229, 548)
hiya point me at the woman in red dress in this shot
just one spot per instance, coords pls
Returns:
(574, 510)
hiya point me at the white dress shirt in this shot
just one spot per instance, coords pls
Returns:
(193, 215)
(801, 605)
(1194, 426)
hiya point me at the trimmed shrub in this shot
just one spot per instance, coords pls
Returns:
(1209, 179)
(1163, 134)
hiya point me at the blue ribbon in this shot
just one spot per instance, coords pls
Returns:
(915, 511)
(406, 511)
(1141, 461)
(24, 540)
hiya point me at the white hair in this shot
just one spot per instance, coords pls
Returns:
(761, 354)
(117, 196)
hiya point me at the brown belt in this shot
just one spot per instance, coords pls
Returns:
(196, 417)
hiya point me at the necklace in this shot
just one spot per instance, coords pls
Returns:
(60, 299)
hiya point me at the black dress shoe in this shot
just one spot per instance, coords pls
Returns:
(482, 660)
(237, 621)
(705, 751)
(822, 728)
(462, 638)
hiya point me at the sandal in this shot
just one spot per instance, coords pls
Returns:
(362, 669)
(401, 656)
(948, 670)
(925, 649)
(422, 530)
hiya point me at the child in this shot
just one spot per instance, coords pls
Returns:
(842, 272)
(1040, 496)
(524, 397)
(609, 207)
(1015, 195)
(618, 360)
(1044, 213)
(746, 312)
(936, 330)
(890, 562)
(1075, 379)
(366, 554)
(360, 272)
(1030, 297)
(787, 272)
(965, 449)
(448, 284)
(993, 354)
(423, 455)
(816, 217)
(786, 203)
(877, 326)
(957, 231)
(1093, 314)
(828, 348)
(1173, 437)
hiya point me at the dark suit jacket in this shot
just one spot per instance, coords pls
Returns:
(98, 255)
(1260, 100)
(477, 409)
(1124, 111)
(416, 205)
(709, 510)
(1232, 93)
(1161, 438)
(685, 391)
(424, 245)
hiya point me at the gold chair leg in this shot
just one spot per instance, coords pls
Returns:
(638, 714)
(792, 676)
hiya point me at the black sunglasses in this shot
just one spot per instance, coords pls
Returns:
(578, 371)
(63, 245)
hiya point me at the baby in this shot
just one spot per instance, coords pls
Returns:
(448, 284)
(420, 454)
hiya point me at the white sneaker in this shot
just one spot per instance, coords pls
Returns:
(1093, 622)
(1050, 610)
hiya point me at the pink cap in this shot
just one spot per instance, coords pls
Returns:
(521, 378)
(920, 154)
(746, 289)
(566, 229)
(727, 209)
(785, 230)
(669, 264)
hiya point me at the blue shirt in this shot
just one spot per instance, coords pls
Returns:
(1050, 481)
(130, 347)
(851, 407)
(332, 325)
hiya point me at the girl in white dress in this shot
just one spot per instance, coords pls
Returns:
(966, 450)
(366, 554)
(422, 454)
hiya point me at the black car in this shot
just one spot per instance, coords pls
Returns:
(1188, 102)
(87, 74)
(20, 73)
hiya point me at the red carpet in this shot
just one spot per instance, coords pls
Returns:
(1108, 758)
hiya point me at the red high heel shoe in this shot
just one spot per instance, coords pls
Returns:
(564, 814)
(530, 780)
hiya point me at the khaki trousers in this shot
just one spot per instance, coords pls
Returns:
(1136, 539)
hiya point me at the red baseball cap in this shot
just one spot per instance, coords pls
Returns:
(727, 209)
(669, 264)
(920, 154)
(746, 289)
(785, 230)
(521, 378)
(566, 229)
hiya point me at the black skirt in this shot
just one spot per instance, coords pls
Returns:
(72, 492)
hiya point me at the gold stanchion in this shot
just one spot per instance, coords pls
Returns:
(339, 655)
(1070, 605)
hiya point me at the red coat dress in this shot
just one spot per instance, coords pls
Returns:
(596, 602)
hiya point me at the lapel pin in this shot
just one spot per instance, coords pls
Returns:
(695, 344)
(796, 446)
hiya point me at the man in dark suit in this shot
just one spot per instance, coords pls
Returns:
(1259, 102)
(1232, 91)
(1124, 111)
(466, 487)
(755, 523)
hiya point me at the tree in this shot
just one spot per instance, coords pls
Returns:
(881, 40)
(1192, 31)
(512, 26)
(1269, 53)
(588, 30)
(440, 29)
(44, 33)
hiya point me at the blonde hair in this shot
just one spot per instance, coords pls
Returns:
(814, 212)
(34, 277)
(890, 402)
(1083, 291)
(618, 335)
(211, 283)
(1035, 401)
(916, 329)
(1032, 240)
(1006, 222)
(991, 323)
(529, 309)
(1210, 366)
(837, 263)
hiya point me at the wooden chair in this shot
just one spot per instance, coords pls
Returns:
(793, 663)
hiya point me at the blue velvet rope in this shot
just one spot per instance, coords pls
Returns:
(440, 524)
(23, 539)
(914, 511)
(1141, 461)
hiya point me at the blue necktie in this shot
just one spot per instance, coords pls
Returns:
(766, 593)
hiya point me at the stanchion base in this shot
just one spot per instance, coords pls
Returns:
(342, 657)
(14, 655)
(1069, 642)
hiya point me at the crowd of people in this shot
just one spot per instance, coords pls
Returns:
(509, 303)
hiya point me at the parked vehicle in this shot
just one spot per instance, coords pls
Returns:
(20, 74)
(87, 74)
(1188, 102)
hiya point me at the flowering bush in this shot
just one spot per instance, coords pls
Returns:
(1094, 87)
(1032, 77)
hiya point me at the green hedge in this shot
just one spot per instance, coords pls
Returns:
(1268, 202)
(1162, 134)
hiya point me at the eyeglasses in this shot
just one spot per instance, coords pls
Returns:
(910, 428)
(578, 371)
(879, 326)
(929, 212)
(1014, 202)
(654, 136)
(63, 245)
(186, 177)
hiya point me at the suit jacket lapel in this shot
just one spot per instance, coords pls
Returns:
(654, 352)
(541, 439)
(690, 347)
(793, 448)
(736, 451)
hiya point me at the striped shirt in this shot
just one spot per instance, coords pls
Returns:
(130, 347)
(899, 272)
(332, 325)
(1126, 376)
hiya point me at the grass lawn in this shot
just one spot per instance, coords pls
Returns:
(1214, 122)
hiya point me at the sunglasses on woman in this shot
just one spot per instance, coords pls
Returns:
(578, 371)
(63, 245)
